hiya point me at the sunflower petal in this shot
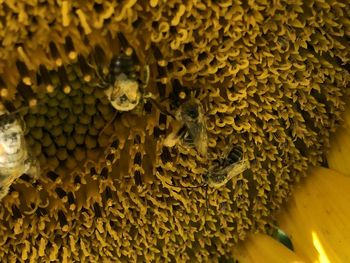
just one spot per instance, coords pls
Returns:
(316, 218)
(338, 156)
(263, 248)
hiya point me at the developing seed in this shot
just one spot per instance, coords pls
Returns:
(37, 133)
(70, 144)
(90, 142)
(61, 140)
(79, 154)
(62, 154)
(79, 139)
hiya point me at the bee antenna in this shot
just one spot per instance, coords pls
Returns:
(109, 123)
(24, 108)
(159, 106)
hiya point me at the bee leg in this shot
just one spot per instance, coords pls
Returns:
(33, 167)
(145, 76)
(109, 123)
(160, 107)
(206, 200)
(175, 136)
(3, 191)
(97, 71)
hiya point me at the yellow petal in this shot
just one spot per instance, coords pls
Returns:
(338, 156)
(263, 248)
(316, 218)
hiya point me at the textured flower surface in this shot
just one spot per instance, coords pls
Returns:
(316, 217)
(272, 79)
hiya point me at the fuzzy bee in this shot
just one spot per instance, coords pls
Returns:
(223, 171)
(15, 159)
(191, 126)
(220, 172)
(126, 86)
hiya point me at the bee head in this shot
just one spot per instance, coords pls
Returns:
(190, 110)
(234, 155)
(122, 64)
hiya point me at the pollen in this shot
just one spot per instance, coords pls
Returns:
(272, 78)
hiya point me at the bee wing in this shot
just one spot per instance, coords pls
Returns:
(198, 132)
(237, 168)
(222, 176)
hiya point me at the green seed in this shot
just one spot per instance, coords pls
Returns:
(56, 121)
(56, 131)
(37, 133)
(89, 99)
(40, 121)
(41, 95)
(54, 78)
(61, 140)
(42, 159)
(80, 128)
(51, 150)
(99, 93)
(30, 140)
(98, 122)
(90, 142)
(108, 117)
(53, 102)
(72, 119)
(103, 140)
(53, 162)
(70, 144)
(71, 76)
(77, 100)
(79, 138)
(31, 121)
(71, 163)
(104, 109)
(51, 112)
(105, 101)
(79, 154)
(75, 84)
(43, 109)
(63, 114)
(84, 119)
(88, 89)
(48, 125)
(68, 128)
(46, 140)
(90, 110)
(93, 131)
(66, 103)
(60, 95)
(36, 148)
(78, 108)
(62, 154)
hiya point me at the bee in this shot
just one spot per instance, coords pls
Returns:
(126, 86)
(15, 159)
(220, 172)
(223, 171)
(191, 126)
